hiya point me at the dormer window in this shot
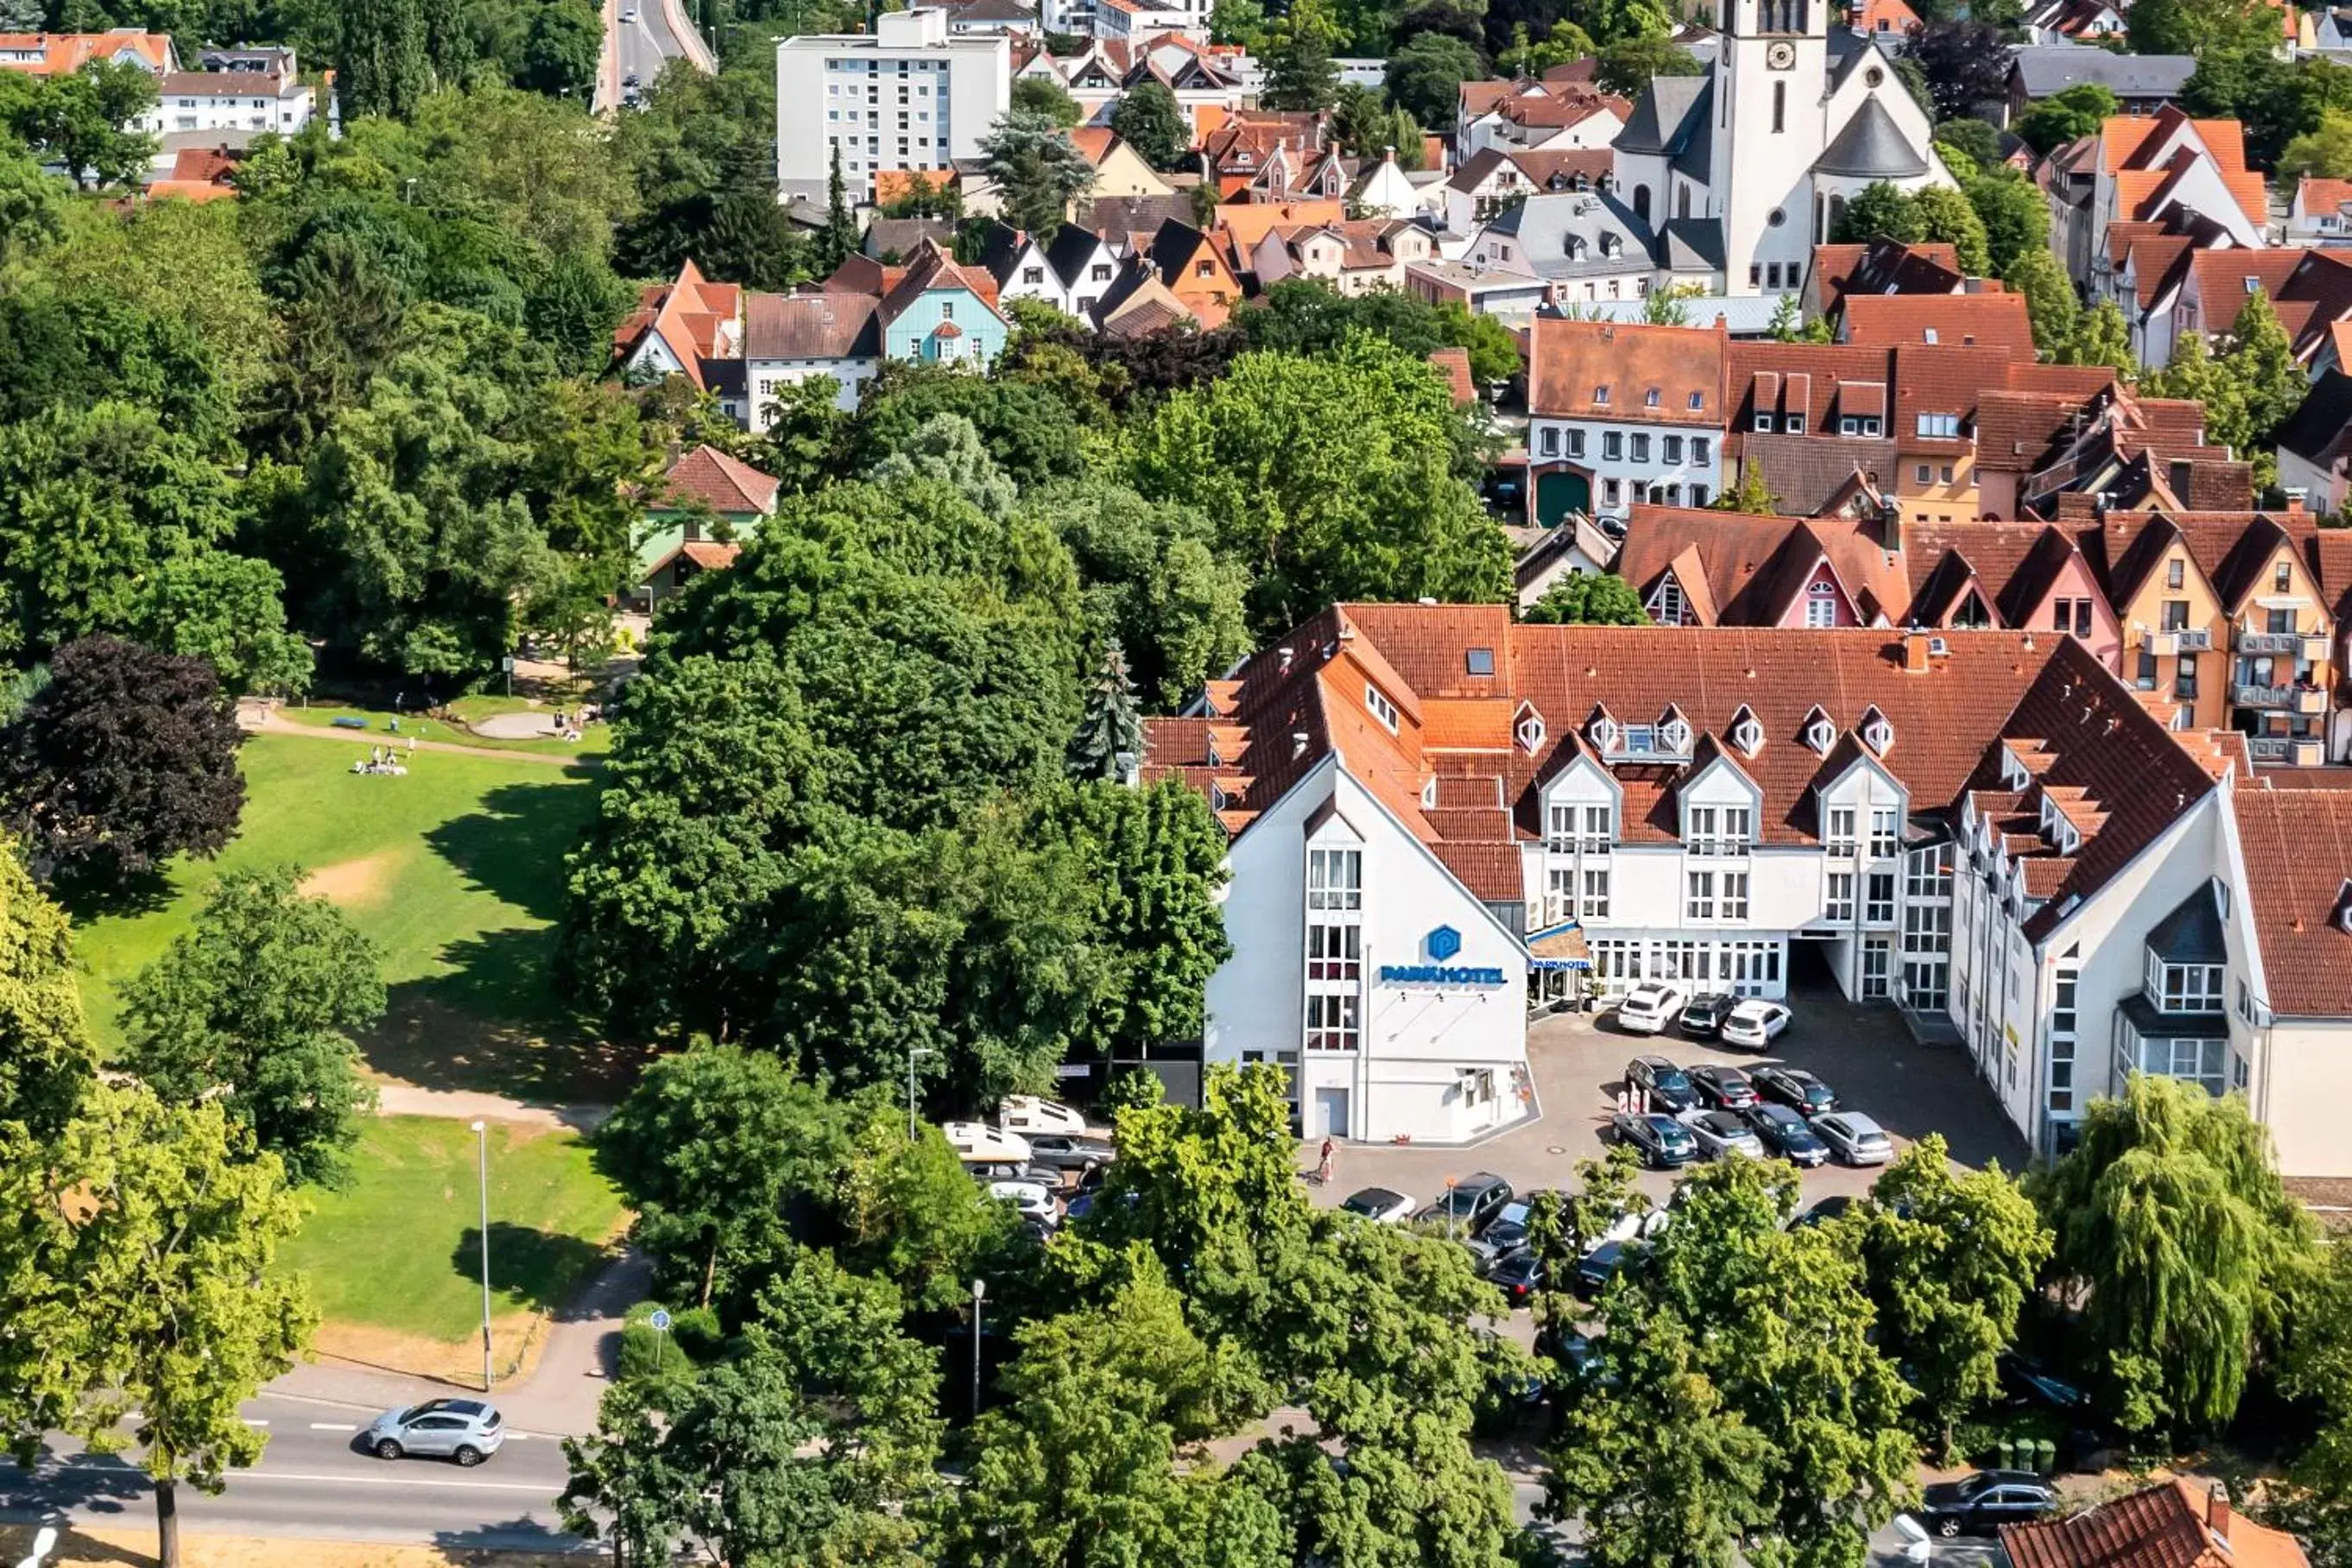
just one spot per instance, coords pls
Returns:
(1820, 733)
(1877, 734)
(2013, 775)
(2343, 916)
(1377, 704)
(1603, 731)
(1528, 730)
(1674, 730)
(1612, 244)
(1429, 794)
(1764, 422)
(1746, 733)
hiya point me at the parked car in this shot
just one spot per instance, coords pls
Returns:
(1721, 1134)
(1662, 1142)
(1668, 1089)
(1507, 1231)
(1599, 1266)
(1702, 1014)
(987, 1171)
(1829, 1211)
(466, 1430)
(1722, 1088)
(1466, 1207)
(1033, 1200)
(1518, 1274)
(1648, 1008)
(978, 1144)
(629, 16)
(1381, 1206)
(1793, 1087)
(1070, 1151)
(1983, 1502)
(2027, 1381)
(1785, 1135)
(1027, 1114)
(1754, 1023)
(1854, 1138)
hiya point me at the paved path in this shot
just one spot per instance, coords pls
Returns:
(256, 718)
(472, 1105)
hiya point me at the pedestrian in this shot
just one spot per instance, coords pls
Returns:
(412, 745)
(1323, 1166)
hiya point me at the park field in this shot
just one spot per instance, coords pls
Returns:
(455, 873)
(592, 743)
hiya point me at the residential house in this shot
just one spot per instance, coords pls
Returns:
(1585, 244)
(1696, 568)
(1261, 155)
(2137, 168)
(1558, 120)
(1576, 547)
(686, 327)
(63, 54)
(2144, 267)
(2315, 448)
(235, 89)
(1119, 169)
(1383, 190)
(1354, 257)
(1975, 320)
(940, 312)
(1503, 291)
(2290, 991)
(2026, 576)
(2321, 213)
(2063, 22)
(707, 504)
(1620, 413)
(1193, 269)
(2143, 84)
(1071, 273)
(1887, 22)
(792, 338)
(1880, 267)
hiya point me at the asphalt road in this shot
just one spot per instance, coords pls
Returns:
(647, 41)
(313, 1483)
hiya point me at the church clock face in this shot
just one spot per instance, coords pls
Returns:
(1780, 55)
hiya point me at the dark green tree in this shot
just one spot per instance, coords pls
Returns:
(839, 240)
(1966, 63)
(1425, 76)
(380, 58)
(1149, 118)
(2050, 303)
(2203, 27)
(1628, 65)
(2067, 115)
(1586, 598)
(1044, 96)
(911, 1213)
(1881, 212)
(1110, 741)
(1037, 170)
(1299, 72)
(2016, 218)
(2102, 336)
(561, 52)
(254, 1007)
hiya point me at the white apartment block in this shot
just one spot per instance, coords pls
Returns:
(912, 95)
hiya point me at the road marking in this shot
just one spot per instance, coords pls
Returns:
(541, 1487)
(255, 1421)
(331, 1427)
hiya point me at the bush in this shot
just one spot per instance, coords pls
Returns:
(694, 1338)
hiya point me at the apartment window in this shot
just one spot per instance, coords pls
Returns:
(2176, 615)
(1600, 395)
(1576, 443)
(2176, 572)
(1922, 472)
(1885, 827)
(1838, 904)
(1764, 421)
(1335, 878)
(1100, 272)
(1876, 955)
(1335, 951)
(1670, 606)
(2144, 674)
(1840, 837)
(1821, 606)
(1641, 449)
(1670, 448)
(1878, 898)
(1927, 873)
(1772, 269)
(1550, 441)
(1702, 830)
(1613, 446)
(1700, 904)
(1948, 473)
(1331, 1022)
(1032, 274)
(1610, 493)
(1794, 422)
(1204, 270)
(1377, 704)
(1649, 398)
(1596, 895)
(1738, 830)
(2190, 988)
(2197, 1061)
(2062, 1042)
(1698, 495)
(2282, 578)
(1600, 830)
(1735, 895)
(1698, 452)
(2184, 679)
(1755, 272)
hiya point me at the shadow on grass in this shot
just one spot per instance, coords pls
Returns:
(87, 899)
(514, 847)
(541, 1268)
(467, 1031)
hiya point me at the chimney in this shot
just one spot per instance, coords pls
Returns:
(2294, 502)
(1890, 526)
(1915, 652)
(2217, 1509)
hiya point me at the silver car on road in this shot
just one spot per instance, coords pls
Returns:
(466, 1430)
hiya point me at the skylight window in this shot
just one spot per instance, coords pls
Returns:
(1929, 334)
(1650, 400)
(1479, 661)
(1697, 401)
(1600, 393)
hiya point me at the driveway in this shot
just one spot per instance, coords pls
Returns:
(1864, 1053)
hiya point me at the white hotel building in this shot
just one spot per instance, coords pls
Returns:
(910, 95)
(1436, 810)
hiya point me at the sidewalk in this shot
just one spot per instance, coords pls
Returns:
(475, 1105)
(257, 718)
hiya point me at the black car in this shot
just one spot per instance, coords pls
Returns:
(1829, 1211)
(1985, 1502)
(1703, 1013)
(1668, 1088)
(1507, 1231)
(1786, 1136)
(1724, 1088)
(1598, 1266)
(1518, 1275)
(2026, 1383)
(1069, 1151)
(1465, 1210)
(1797, 1090)
(1664, 1143)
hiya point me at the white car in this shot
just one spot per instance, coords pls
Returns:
(1649, 1007)
(1030, 1197)
(1722, 1134)
(1854, 1138)
(1753, 1023)
(979, 1144)
(1381, 1206)
(1027, 1114)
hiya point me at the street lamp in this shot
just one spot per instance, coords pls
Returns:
(912, 1052)
(979, 1290)
(482, 1168)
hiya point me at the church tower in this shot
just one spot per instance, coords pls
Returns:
(1771, 95)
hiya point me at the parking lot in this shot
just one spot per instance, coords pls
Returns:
(1865, 1053)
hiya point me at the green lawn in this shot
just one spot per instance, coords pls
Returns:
(593, 741)
(454, 871)
(398, 1248)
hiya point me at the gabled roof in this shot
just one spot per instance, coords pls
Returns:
(1666, 115)
(2320, 431)
(1883, 266)
(2046, 69)
(1572, 362)
(1747, 570)
(2171, 1525)
(826, 325)
(1952, 321)
(2297, 845)
(727, 486)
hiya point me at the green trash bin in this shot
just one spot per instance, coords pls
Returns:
(2004, 1454)
(2045, 1456)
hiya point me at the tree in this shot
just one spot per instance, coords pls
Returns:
(126, 758)
(707, 1148)
(32, 207)
(48, 1062)
(1037, 170)
(947, 448)
(1750, 494)
(2050, 304)
(254, 1008)
(1047, 98)
(911, 1213)
(1110, 740)
(2101, 337)
(2203, 27)
(1156, 585)
(380, 58)
(2266, 385)
(1613, 22)
(1149, 118)
(1531, 58)
(1628, 65)
(2175, 1234)
(1966, 64)
(1881, 212)
(1948, 217)
(2067, 115)
(2325, 152)
(1299, 72)
(1336, 475)
(2016, 218)
(139, 1288)
(561, 52)
(82, 122)
(839, 241)
(1740, 1406)
(1425, 76)
(1972, 138)
(1585, 598)
(1951, 1260)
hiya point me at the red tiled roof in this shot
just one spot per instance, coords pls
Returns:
(729, 488)
(1574, 361)
(2166, 1526)
(1453, 364)
(2316, 194)
(62, 54)
(1752, 568)
(2298, 848)
(1990, 320)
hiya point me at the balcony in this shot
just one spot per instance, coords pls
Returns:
(2270, 642)
(2284, 699)
(2191, 640)
(2298, 750)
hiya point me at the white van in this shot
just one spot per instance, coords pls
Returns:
(1027, 1114)
(979, 1144)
